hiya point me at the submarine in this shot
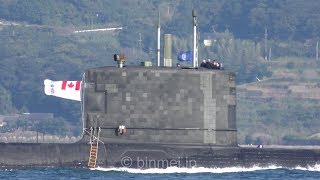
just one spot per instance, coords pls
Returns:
(157, 117)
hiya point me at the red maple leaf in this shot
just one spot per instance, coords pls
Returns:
(70, 85)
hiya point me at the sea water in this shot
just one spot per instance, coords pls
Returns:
(271, 172)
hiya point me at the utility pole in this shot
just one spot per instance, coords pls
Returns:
(270, 54)
(91, 22)
(97, 15)
(317, 50)
(265, 44)
(140, 45)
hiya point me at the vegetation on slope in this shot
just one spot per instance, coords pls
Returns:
(37, 42)
(284, 108)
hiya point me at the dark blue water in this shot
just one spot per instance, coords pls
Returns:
(73, 173)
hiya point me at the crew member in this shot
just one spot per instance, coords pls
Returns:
(203, 63)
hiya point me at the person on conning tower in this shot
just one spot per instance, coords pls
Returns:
(203, 63)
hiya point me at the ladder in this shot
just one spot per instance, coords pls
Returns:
(94, 141)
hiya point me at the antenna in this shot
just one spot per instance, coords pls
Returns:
(195, 46)
(158, 48)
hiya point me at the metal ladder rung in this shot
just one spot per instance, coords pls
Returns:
(92, 165)
(93, 149)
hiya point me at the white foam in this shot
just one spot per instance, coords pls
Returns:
(310, 168)
(189, 170)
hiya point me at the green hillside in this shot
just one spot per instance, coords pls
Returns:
(38, 41)
(283, 108)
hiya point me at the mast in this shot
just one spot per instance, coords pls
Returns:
(158, 48)
(195, 46)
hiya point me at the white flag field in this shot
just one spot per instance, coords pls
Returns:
(63, 89)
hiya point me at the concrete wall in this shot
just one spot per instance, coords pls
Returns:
(161, 105)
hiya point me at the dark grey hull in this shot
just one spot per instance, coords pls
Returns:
(16, 155)
(173, 117)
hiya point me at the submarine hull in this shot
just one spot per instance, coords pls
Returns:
(171, 117)
(162, 156)
(142, 156)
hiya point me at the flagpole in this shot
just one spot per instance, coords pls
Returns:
(195, 50)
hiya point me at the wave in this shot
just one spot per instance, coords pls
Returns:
(310, 168)
(203, 170)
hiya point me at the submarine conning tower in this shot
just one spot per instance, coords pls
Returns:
(159, 105)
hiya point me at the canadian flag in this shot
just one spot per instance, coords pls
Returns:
(71, 84)
(63, 89)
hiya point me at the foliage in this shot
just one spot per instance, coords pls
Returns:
(38, 43)
(276, 119)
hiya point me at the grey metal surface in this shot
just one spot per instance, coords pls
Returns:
(175, 117)
(161, 105)
(16, 155)
(167, 51)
